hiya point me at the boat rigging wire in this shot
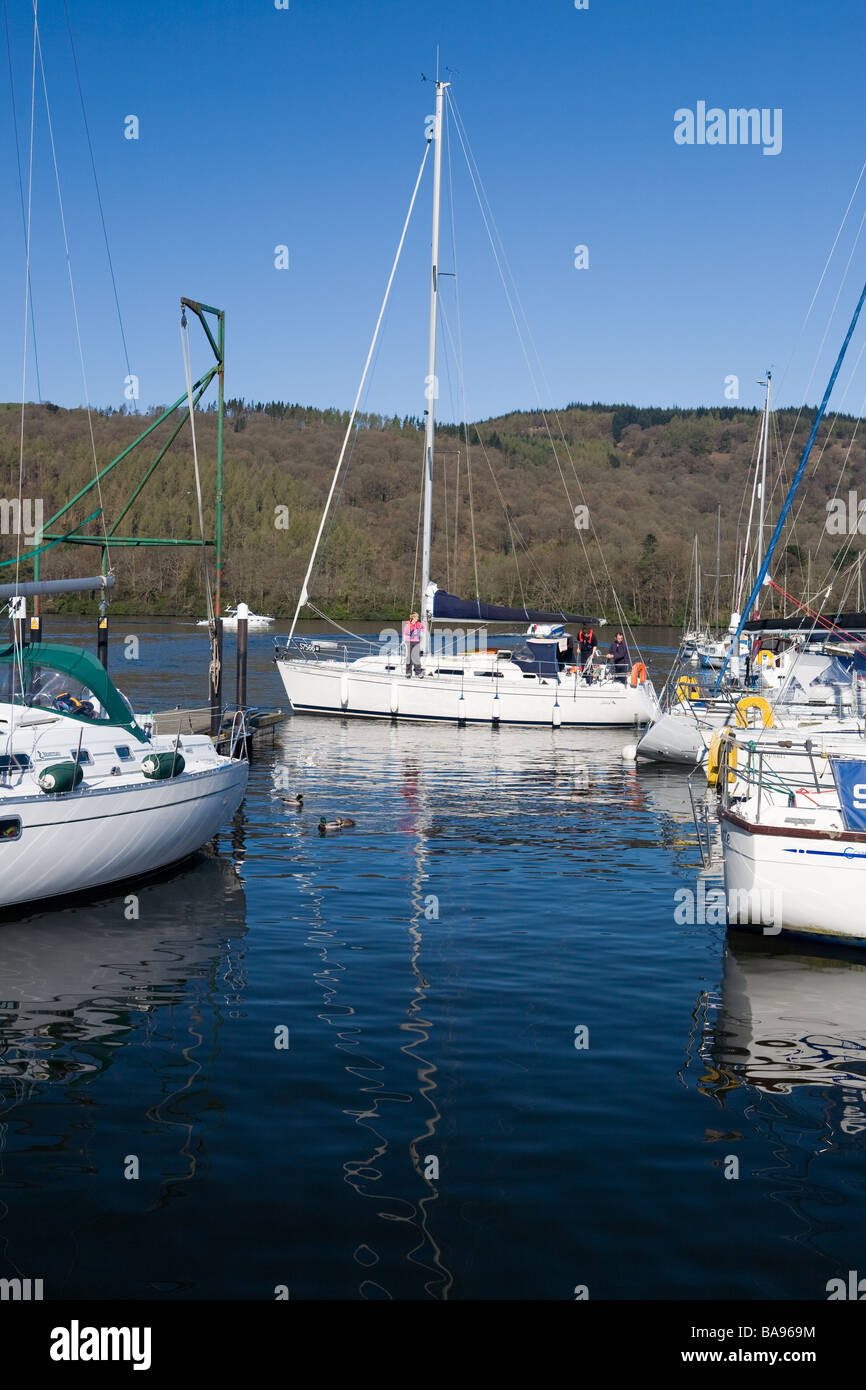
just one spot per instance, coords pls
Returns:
(87, 405)
(303, 595)
(459, 354)
(490, 222)
(27, 249)
(830, 316)
(98, 193)
(21, 191)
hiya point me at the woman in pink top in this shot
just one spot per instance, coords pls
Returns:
(412, 633)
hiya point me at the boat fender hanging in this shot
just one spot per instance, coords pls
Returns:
(158, 766)
(714, 756)
(687, 689)
(638, 674)
(344, 692)
(754, 702)
(60, 777)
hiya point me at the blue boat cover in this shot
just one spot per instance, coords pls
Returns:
(449, 606)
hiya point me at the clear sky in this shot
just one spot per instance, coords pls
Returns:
(304, 127)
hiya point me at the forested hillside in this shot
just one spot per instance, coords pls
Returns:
(651, 479)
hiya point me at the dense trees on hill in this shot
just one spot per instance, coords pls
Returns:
(650, 479)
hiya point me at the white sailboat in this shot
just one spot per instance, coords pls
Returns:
(793, 830)
(793, 817)
(539, 683)
(784, 691)
(89, 796)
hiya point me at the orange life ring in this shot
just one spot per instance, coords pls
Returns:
(638, 673)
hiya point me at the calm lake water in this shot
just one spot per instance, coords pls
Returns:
(436, 1127)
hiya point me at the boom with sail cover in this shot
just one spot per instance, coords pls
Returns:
(467, 610)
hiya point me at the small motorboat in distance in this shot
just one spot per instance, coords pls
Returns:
(231, 616)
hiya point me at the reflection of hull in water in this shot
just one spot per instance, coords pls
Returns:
(85, 967)
(792, 1017)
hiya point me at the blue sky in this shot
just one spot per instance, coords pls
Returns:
(305, 126)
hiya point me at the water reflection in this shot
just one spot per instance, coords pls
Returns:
(783, 1047)
(161, 966)
(390, 1148)
(791, 1016)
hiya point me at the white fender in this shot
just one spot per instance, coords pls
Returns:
(395, 697)
(461, 710)
(344, 691)
(557, 715)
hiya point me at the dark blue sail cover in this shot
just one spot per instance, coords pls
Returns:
(464, 609)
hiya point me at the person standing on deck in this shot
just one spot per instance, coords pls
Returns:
(412, 633)
(618, 654)
(588, 649)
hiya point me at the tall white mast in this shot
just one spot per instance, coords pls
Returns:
(766, 433)
(431, 390)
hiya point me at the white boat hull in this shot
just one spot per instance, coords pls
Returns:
(324, 687)
(87, 839)
(797, 880)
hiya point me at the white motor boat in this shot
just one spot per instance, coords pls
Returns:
(712, 654)
(255, 621)
(89, 796)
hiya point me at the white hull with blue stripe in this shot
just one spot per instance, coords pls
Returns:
(793, 830)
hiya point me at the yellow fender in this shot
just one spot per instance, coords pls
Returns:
(687, 689)
(753, 702)
(714, 756)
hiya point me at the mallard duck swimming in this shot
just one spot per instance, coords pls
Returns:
(298, 801)
(341, 823)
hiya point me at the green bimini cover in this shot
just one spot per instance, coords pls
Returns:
(62, 679)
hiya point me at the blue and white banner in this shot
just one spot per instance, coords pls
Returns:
(849, 775)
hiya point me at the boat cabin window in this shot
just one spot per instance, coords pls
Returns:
(123, 752)
(47, 689)
(13, 762)
(10, 828)
(82, 755)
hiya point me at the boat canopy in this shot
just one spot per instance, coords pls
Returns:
(473, 610)
(68, 679)
(804, 622)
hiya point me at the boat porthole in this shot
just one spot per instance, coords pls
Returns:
(10, 828)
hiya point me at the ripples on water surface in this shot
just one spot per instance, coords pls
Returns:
(499, 891)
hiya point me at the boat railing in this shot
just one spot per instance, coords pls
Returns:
(331, 649)
(238, 737)
(745, 767)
